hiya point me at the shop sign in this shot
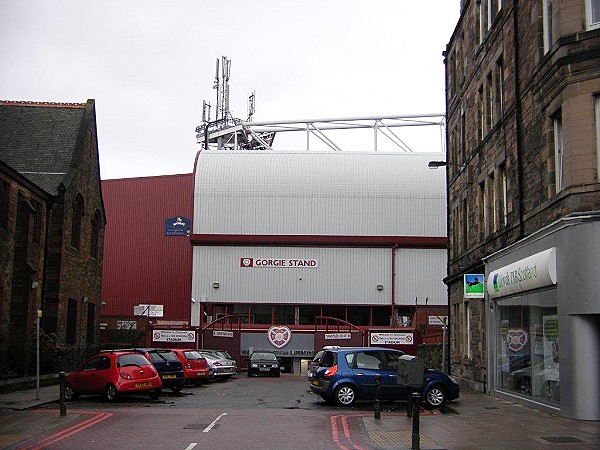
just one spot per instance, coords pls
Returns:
(285, 263)
(177, 226)
(221, 333)
(336, 336)
(533, 272)
(392, 338)
(473, 285)
(173, 336)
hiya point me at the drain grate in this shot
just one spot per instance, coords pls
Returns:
(199, 426)
(562, 439)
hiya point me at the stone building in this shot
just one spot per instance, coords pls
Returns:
(523, 107)
(51, 230)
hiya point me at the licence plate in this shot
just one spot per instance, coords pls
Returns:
(139, 385)
(169, 377)
(264, 369)
(201, 373)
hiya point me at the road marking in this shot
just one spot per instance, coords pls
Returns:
(214, 422)
(191, 446)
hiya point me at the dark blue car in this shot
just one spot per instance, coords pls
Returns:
(346, 374)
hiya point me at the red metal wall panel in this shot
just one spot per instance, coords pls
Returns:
(141, 264)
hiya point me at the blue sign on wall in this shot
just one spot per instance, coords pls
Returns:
(177, 226)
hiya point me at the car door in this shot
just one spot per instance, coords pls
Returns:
(87, 376)
(391, 389)
(366, 367)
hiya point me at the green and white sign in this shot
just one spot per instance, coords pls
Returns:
(473, 284)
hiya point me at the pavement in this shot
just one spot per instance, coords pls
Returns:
(475, 421)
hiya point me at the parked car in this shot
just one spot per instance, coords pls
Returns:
(263, 363)
(345, 374)
(167, 365)
(223, 368)
(220, 353)
(195, 367)
(114, 373)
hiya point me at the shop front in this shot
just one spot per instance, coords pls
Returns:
(543, 337)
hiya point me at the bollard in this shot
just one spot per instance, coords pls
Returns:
(409, 403)
(61, 383)
(377, 407)
(416, 403)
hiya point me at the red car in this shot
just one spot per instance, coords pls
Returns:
(114, 373)
(195, 367)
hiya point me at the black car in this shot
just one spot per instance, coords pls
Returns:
(263, 363)
(168, 366)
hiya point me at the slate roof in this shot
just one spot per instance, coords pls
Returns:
(38, 140)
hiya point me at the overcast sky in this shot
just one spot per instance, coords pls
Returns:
(149, 64)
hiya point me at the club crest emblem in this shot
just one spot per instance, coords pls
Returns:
(279, 336)
(516, 339)
(246, 262)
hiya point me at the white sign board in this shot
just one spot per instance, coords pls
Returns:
(221, 333)
(331, 336)
(392, 339)
(285, 263)
(148, 310)
(174, 336)
(438, 320)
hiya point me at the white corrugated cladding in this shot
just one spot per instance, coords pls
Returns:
(343, 276)
(419, 275)
(310, 193)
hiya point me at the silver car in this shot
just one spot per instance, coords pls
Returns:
(222, 368)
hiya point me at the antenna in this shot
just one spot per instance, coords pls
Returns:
(205, 111)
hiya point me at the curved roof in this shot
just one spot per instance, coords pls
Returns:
(319, 193)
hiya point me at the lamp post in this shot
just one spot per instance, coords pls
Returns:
(437, 164)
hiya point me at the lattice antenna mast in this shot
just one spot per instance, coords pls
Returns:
(251, 105)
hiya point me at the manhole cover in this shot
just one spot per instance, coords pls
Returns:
(562, 439)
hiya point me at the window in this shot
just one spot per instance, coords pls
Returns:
(492, 191)
(37, 221)
(490, 102)
(91, 321)
(4, 203)
(597, 118)
(498, 89)
(465, 224)
(467, 330)
(482, 20)
(592, 9)
(371, 360)
(558, 152)
(480, 114)
(95, 235)
(547, 24)
(503, 189)
(463, 137)
(71, 336)
(76, 222)
(483, 213)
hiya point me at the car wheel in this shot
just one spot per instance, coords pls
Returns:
(176, 388)
(249, 373)
(197, 383)
(345, 395)
(278, 374)
(155, 394)
(70, 393)
(435, 397)
(111, 393)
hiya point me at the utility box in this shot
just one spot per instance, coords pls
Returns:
(410, 371)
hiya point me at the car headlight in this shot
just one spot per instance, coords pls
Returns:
(254, 365)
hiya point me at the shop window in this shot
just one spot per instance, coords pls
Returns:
(527, 351)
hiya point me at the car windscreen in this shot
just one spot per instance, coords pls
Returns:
(133, 359)
(192, 355)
